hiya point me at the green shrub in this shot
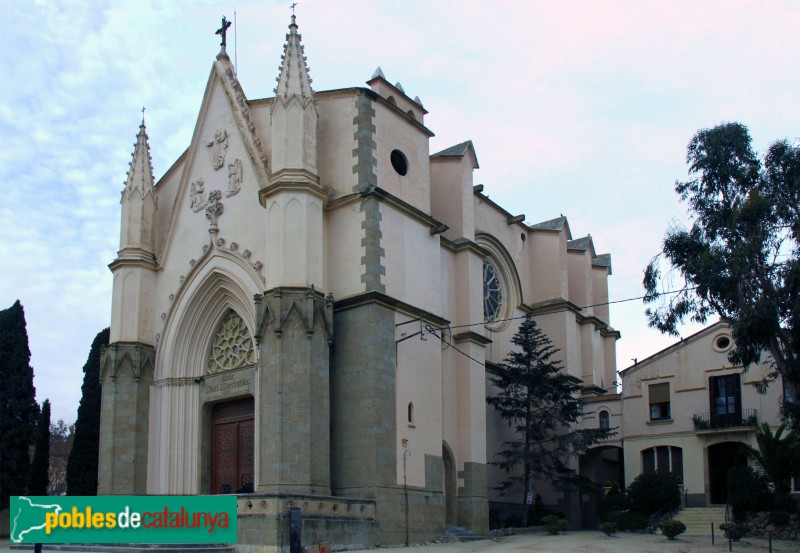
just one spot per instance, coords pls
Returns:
(627, 521)
(671, 528)
(612, 501)
(608, 528)
(554, 524)
(748, 491)
(650, 493)
(731, 531)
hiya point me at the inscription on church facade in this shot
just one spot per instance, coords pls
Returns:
(228, 385)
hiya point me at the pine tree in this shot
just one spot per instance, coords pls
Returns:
(539, 401)
(82, 463)
(41, 458)
(18, 408)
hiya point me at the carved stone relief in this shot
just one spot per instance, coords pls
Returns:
(234, 177)
(197, 196)
(218, 148)
(214, 207)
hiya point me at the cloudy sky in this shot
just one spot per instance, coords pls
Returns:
(580, 108)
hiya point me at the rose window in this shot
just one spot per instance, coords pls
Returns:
(232, 347)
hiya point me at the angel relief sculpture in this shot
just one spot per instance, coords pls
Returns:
(234, 177)
(197, 196)
(218, 147)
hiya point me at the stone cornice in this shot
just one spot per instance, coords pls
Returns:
(600, 398)
(342, 201)
(390, 302)
(178, 381)
(292, 184)
(463, 244)
(551, 306)
(133, 257)
(472, 336)
(560, 304)
(400, 205)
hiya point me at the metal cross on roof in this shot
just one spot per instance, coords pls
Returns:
(293, 6)
(222, 31)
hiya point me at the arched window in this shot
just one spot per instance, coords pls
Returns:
(604, 418)
(663, 458)
(492, 292)
(500, 286)
(411, 413)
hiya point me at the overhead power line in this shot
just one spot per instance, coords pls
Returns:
(561, 309)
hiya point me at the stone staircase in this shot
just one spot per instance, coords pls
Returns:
(698, 520)
(459, 533)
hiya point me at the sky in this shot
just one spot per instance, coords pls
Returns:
(581, 108)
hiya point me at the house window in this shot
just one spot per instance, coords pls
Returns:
(726, 400)
(604, 420)
(411, 413)
(649, 460)
(659, 402)
(663, 459)
(677, 461)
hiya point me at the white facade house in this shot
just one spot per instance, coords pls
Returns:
(686, 409)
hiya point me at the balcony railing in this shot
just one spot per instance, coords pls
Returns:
(713, 421)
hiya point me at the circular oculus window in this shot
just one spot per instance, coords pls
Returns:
(722, 343)
(399, 162)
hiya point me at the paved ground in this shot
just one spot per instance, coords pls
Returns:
(596, 542)
(584, 542)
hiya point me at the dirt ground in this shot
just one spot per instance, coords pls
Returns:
(596, 542)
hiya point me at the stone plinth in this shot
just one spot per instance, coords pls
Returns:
(263, 519)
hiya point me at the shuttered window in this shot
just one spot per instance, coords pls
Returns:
(659, 401)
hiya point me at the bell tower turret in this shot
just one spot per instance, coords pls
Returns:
(126, 370)
(295, 318)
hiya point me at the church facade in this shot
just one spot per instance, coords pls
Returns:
(305, 308)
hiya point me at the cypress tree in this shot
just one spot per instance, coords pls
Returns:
(82, 463)
(540, 403)
(40, 478)
(18, 408)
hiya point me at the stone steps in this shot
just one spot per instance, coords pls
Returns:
(698, 520)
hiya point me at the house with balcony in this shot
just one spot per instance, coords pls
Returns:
(687, 409)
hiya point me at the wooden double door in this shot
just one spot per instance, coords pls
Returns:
(232, 447)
